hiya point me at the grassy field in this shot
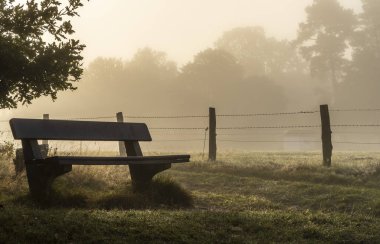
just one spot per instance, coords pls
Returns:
(241, 198)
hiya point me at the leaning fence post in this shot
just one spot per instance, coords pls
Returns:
(120, 118)
(212, 135)
(326, 135)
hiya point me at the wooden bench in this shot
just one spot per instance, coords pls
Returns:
(41, 171)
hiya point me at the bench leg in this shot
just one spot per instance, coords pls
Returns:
(142, 175)
(41, 177)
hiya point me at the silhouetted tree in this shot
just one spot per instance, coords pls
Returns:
(102, 70)
(106, 76)
(323, 39)
(146, 79)
(212, 73)
(258, 54)
(362, 80)
(215, 78)
(31, 66)
(151, 67)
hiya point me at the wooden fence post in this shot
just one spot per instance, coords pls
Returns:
(45, 142)
(18, 161)
(120, 118)
(326, 135)
(212, 135)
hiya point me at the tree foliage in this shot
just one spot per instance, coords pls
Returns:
(149, 66)
(362, 79)
(258, 54)
(323, 38)
(216, 78)
(30, 65)
(366, 41)
(212, 67)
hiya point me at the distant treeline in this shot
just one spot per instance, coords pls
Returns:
(335, 59)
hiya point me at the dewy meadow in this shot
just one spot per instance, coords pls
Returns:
(241, 121)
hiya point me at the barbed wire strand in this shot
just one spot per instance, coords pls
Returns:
(176, 128)
(165, 117)
(92, 118)
(218, 115)
(268, 127)
(179, 140)
(265, 127)
(356, 110)
(267, 114)
(356, 143)
(270, 141)
(355, 125)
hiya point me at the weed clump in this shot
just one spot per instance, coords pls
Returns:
(6, 150)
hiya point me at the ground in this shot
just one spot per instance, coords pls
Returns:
(241, 198)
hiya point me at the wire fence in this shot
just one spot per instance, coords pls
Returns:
(249, 128)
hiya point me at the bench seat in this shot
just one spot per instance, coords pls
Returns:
(41, 170)
(134, 160)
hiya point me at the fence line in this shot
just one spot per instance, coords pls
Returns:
(206, 116)
(270, 141)
(178, 131)
(267, 114)
(265, 127)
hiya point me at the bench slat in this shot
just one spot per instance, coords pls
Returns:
(76, 160)
(78, 130)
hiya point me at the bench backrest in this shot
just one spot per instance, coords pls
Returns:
(78, 130)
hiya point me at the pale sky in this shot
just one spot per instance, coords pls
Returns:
(181, 28)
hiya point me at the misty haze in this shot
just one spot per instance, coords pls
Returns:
(160, 61)
(266, 111)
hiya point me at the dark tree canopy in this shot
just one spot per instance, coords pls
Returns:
(258, 54)
(213, 67)
(323, 39)
(31, 66)
(149, 66)
(362, 78)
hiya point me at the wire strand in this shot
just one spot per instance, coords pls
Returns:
(177, 128)
(166, 117)
(356, 110)
(268, 127)
(355, 125)
(269, 141)
(266, 114)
